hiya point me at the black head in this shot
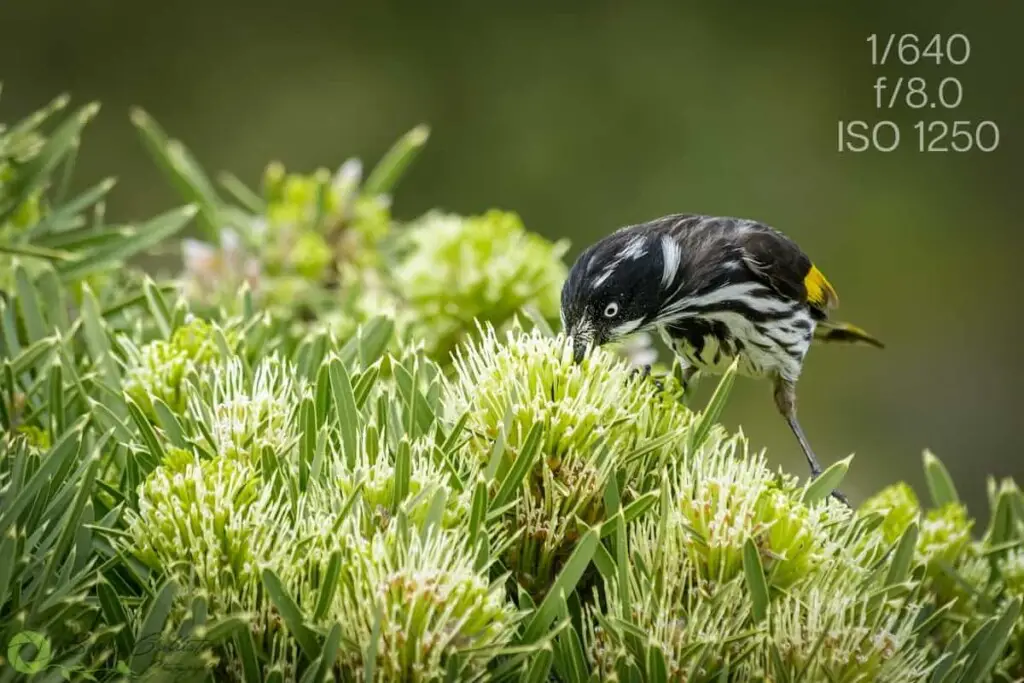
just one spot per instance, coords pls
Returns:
(614, 289)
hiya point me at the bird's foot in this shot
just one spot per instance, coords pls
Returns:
(836, 493)
(645, 372)
(841, 497)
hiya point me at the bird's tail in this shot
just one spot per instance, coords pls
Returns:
(827, 331)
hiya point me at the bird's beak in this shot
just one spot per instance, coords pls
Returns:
(580, 344)
(579, 350)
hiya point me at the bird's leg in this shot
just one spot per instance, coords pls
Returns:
(785, 400)
(645, 372)
(688, 373)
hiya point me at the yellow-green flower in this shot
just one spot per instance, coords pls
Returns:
(158, 369)
(592, 416)
(210, 520)
(898, 503)
(484, 268)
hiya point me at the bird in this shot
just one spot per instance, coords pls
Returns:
(717, 289)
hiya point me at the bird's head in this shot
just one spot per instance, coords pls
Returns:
(615, 289)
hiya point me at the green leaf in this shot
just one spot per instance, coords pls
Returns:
(370, 658)
(1002, 525)
(146, 431)
(224, 628)
(699, 432)
(940, 484)
(435, 513)
(72, 522)
(247, 653)
(115, 614)
(990, 650)
(98, 342)
(828, 481)
(36, 252)
(108, 420)
(657, 669)
(522, 464)
(308, 439)
(498, 448)
(56, 459)
(781, 672)
(148, 235)
(56, 398)
(169, 423)
(158, 307)
(345, 407)
(605, 564)
(241, 192)
(540, 665)
(28, 303)
(55, 297)
(8, 394)
(903, 557)
(367, 345)
(8, 560)
(152, 627)
(67, 212)
(177, 164)
(364, 384)
(347, 507)
(291, 614)
(943, 665)
(31, 355)
(649, 446)
(563, 585)
(478, 512)
(756, 583)
(635, 510)
(328, 655)
(322, 394)
(570, 663)
(328, 586)
(391, 167)
(34, 174)
(403, 473)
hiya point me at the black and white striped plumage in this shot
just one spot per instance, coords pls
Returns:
(716, 288)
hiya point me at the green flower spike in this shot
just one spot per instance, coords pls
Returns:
(159, 368)
(429, 603)
(211, 525)
(592, 416)
(483, 268)
(247, 414)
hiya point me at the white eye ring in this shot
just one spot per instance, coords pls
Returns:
(611, 310)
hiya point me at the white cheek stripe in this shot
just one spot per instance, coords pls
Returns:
(671, 254)
(626, 327)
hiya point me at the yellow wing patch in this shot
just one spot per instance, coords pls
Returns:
(819, 290)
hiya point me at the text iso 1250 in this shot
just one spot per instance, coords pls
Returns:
(924, 136)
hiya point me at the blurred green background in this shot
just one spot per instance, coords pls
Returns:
(583, 117)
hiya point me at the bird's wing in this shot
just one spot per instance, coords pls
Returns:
(784, 267)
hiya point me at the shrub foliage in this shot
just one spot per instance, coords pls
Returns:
(342, 447)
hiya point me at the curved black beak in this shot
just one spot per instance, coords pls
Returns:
(580, 344)
(579, 349)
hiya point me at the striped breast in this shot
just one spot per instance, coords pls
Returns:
(768, 333)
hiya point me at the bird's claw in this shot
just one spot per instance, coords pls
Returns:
(836, 493)
(645, 372)
(841, 497)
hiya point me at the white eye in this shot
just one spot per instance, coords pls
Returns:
(611, 310)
